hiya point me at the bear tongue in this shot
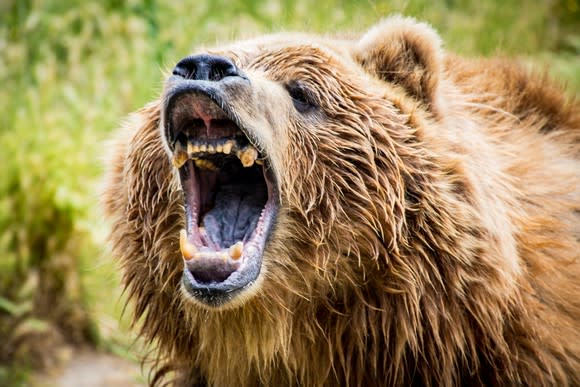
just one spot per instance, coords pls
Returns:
(235, 213)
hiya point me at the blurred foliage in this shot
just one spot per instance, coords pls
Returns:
(40, 290)
(71, 69)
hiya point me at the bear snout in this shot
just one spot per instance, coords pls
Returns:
(206, 67)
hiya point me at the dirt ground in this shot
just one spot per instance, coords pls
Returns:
(92, 369)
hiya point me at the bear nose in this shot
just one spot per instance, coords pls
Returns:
(205, 67)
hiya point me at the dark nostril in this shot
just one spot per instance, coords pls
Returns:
(205, 67)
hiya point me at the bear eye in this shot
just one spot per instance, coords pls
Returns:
(302, 98)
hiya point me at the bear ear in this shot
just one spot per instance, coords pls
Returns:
(404, 52)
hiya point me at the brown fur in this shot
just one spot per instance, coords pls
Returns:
(429, 229)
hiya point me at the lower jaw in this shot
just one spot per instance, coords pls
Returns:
(222, 295)
(219, 300)
(239, 284)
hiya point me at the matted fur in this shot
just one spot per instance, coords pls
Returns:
(428, 232)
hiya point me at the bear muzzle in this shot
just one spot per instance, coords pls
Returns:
(229, 188)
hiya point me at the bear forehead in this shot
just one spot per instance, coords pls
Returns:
(283, 53)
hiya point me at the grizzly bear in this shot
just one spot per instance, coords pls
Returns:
(353, 211)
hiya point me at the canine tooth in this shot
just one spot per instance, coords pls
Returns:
(188, 250)
(228, 147)
(211, 149)
(190, 149)
(179, 158)
(236, 250)
(248, 156)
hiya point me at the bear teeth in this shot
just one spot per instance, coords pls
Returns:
(191, 148)
(235, 251)
(248, 154)
(227, 148)
(180, 156)
(189, 251)
(205, 164)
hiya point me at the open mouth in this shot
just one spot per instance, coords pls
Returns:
(230, 197)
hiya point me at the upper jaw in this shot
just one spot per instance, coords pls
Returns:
(216, 267)
(220, 93)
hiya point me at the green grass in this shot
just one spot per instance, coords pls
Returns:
(71, 70)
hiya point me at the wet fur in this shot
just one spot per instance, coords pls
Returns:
(429, 232)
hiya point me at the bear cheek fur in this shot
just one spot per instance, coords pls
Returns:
(343, 158)
(144, 204)
(406, 57)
